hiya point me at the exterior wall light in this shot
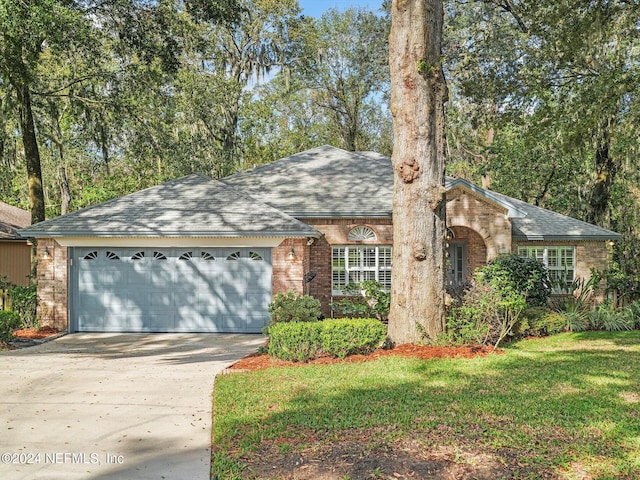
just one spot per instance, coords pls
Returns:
(46, 255)
(292, 254)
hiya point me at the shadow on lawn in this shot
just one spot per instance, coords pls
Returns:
(519, 414)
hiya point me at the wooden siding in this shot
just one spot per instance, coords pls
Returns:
(15, 262)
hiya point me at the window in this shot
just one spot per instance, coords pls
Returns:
(560, 262)
(159, 256)
(112, 255)
(357, 263)
(361, 232)
(255, 257)
(234, 256)
(91, 255)
(207, 256)
(186, 256)
(137, 256)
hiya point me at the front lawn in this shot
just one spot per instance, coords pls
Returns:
(566, 406)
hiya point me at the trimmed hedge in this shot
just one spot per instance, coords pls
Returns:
(295, 341)
(304, 341)
(293, 307)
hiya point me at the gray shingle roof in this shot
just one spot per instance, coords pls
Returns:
(193, 206)
(330, 182)
(322, 182)
(542, 224)
(11, 219)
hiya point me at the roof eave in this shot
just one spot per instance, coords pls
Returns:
(350, 214)
(153, 234)
(555, 238)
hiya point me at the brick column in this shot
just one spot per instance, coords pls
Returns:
(290, 261)
(52, 277)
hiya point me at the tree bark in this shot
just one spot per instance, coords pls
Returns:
(31, 153)
(418, 94)
(65, 191)
(606, 170)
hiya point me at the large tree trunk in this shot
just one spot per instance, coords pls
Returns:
(418, 93)
(31, 153)
(606, 170)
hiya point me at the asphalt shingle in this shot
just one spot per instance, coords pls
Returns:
(330, 182)
(194, 205)
(11, 220)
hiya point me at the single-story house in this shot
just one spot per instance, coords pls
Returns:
(15, 250)
(201, 255)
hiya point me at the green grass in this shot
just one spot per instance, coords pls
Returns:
(559, 405)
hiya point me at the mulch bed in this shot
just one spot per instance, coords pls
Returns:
(28, 337)
(35, 333)
(258, 361)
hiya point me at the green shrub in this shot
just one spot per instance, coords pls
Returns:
(293, 307)
(24, 301)
(541, 321)
(366, 299)
(304, 341)
(605, 317)
(466, 325)
(527, 276)
(634, 312)
(9, 321)
(350, 336)
(295, 341)
(625, 286)
(489, 312)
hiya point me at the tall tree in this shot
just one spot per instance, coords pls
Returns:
(418, 94)
(230, 58)
(25, 27)
(345, 66)
(562, 77)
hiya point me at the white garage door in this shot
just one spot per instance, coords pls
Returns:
(172, 289)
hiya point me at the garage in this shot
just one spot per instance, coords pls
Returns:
(189, 255)
(171, 289)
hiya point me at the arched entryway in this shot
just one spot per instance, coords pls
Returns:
(467, 251)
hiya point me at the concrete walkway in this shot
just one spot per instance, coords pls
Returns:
(112, 406)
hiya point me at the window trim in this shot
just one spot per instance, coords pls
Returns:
(558, 268)
(377, 268)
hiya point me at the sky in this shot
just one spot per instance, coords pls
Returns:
(315, 8)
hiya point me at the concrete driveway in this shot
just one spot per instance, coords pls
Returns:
(112, 406)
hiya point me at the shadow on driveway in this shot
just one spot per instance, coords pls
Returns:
(143, 399)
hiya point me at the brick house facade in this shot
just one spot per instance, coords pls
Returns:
(320, 230)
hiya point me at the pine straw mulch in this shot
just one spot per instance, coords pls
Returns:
(28, 337)
(259, 361)
(35, 333)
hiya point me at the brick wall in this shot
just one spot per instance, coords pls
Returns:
(335, 233)
(288, 272)
(489, 221)
(589, 255)
(52, 277)
(475, 247)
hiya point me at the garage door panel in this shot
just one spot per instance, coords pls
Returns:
(115, 323)
(257, 322)
(160, 298)
(258, 301)
(234, 323)
(88, 276)
(159, 321)
(91, 301)
(210, 301)
(113, 275)
(187, 290)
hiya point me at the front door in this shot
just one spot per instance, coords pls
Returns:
(457, 272)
